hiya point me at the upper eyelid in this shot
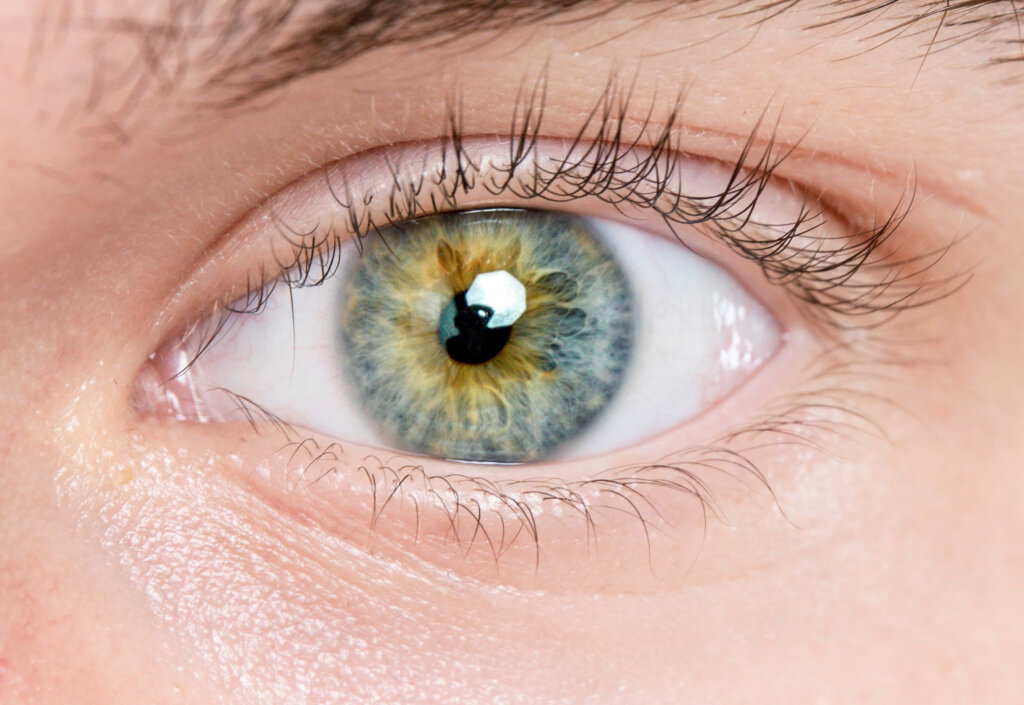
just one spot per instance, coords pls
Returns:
(307, 250)
(405, 201)
(610, 117)
(618, 112)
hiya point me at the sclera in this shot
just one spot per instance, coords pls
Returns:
(727, 334)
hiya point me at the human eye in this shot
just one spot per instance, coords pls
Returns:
(494, 335)
(654, 304)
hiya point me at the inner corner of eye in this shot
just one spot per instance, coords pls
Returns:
(495, 336)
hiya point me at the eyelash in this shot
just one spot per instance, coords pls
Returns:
(843, 282)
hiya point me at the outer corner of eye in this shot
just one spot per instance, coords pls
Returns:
(493, 336)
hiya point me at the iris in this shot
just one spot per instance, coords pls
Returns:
(493, 335)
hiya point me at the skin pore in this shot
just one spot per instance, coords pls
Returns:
(851, 529)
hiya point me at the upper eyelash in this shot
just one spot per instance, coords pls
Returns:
(844, 281)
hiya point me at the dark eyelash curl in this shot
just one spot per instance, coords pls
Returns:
(843, 281)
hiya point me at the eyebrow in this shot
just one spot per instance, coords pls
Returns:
(237, 50)
(343, 29)
(253, 47)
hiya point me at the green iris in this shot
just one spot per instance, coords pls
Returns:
(492, 336)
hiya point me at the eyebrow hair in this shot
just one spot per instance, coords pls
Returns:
(344, 29)
(253, 47)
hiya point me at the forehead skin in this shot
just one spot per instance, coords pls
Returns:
(133, 139)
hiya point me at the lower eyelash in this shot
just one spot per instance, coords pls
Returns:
(481, 514)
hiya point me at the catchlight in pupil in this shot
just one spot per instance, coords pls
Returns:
(491, 336)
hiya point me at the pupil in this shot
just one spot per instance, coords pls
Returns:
(464, 333)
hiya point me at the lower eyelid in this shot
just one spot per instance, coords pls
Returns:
(529, 527)
(623, 530)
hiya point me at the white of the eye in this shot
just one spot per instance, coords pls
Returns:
(699, 334)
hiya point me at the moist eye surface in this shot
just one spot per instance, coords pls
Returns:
(491, 336)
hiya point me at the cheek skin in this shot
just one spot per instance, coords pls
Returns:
(72, 630)
(281, 608)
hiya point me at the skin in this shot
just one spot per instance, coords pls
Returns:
(145, 559)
